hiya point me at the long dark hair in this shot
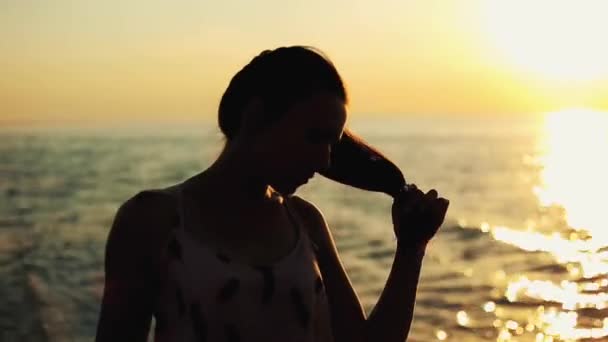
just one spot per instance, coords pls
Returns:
(287, 75)
(356, 163)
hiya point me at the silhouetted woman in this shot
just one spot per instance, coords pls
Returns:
(231, 254)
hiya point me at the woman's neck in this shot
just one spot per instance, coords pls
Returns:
(234, 178)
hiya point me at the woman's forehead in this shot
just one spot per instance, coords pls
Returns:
(322, 110)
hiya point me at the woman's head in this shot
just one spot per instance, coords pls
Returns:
(277, 80)
(289, 103)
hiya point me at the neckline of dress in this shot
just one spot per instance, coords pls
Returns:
(221, 256)
(224, 258)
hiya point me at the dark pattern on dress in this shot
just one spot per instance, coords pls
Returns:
(269, 283)
(199, 324)
(228, 290)
(301, 310)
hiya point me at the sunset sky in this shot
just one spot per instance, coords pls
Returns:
(69, 61)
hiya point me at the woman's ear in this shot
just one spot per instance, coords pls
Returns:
(251, 116)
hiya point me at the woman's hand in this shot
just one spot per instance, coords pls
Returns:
(417, 216)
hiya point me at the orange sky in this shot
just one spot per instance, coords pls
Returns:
(66, 61)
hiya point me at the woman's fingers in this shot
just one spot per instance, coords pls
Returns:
(419, 203)
(440, 208)
(407, 198)
(425, 201)
(425, 211)
(404, 195)
(414, 201)
(443, 203)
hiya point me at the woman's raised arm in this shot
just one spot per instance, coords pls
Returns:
(416, 218)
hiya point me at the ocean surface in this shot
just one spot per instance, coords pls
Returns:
(522, 255)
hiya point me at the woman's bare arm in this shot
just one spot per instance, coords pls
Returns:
(131, 260)
(347, 315)
(391, 318)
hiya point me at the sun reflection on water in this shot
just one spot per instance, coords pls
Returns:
(574, 177)
(576, 168)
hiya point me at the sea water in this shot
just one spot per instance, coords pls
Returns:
(506, 264)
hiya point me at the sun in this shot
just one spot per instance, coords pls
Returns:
(561, 40)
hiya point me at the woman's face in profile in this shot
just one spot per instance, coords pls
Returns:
(299, 145)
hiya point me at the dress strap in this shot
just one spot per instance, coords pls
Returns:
(177, 192)
(303, 233)
(294, 222)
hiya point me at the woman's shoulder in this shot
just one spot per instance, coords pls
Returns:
(151, 205)
(306, 209)
(144, 219)
(312, 217)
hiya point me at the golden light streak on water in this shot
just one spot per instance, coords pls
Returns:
(563, 325)
(569, 294)
(565, 251)
(574, 178)
(576, 168)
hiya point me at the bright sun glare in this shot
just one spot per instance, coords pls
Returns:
(556, 39)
